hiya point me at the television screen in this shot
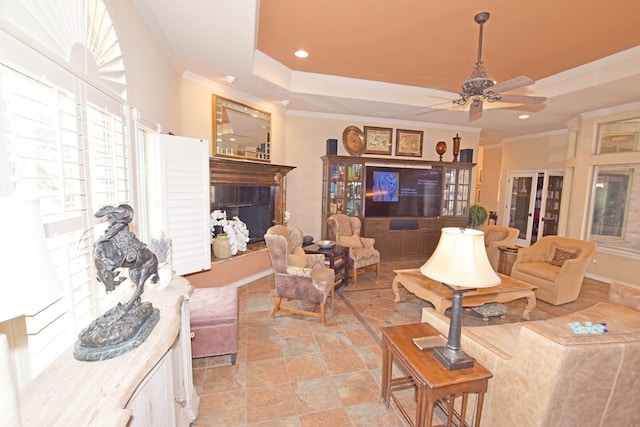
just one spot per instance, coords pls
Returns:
(399, 192)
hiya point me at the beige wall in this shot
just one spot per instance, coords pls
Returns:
(608, 264)
(569, 151)
(491, 166)
(306, 143)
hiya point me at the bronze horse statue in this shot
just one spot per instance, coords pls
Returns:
(120, 248)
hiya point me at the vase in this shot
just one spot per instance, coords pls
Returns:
(222, 246)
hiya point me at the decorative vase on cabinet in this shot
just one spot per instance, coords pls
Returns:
(222, 246)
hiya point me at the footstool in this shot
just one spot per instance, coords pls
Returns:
(214, 322)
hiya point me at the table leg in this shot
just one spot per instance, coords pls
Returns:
(479, 403)
(387, 366)
(396, 291)
(531, 304)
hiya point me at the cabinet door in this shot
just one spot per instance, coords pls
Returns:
(455, 197)
(521, 205)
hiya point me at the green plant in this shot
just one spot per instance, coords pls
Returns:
(477, 216)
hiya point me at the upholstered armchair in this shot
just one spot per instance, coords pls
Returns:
(345, 230)
(496, 236)
(298, 276)
(556, 265)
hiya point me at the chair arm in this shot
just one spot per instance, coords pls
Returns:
(573, 269)
(323, 279)
(367, 242)
(315, 261)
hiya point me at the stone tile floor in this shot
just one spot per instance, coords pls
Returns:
(292, 371)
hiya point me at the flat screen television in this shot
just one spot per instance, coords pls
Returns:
(402, 192)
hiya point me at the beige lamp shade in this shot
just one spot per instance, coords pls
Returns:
(29, 281)
(460, 259)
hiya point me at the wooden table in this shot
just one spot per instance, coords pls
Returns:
(338, 258)
(434, 384)
(508, 255)
(441, 297)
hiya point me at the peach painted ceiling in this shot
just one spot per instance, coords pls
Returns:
(405, 60)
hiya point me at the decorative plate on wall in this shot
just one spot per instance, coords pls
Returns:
(353, 140)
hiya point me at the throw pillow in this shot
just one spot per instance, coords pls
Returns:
(561, 256)
(298, 258)
(352, 241)
(551, 252)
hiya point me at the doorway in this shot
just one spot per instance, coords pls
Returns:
(533, 204)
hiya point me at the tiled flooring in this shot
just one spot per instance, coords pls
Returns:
(292, 371)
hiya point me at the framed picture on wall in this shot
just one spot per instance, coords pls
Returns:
(377, 140)
(409, 143)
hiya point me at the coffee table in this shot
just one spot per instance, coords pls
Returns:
(441, 297)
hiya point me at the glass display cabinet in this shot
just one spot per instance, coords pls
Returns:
(455, 195)
(343, 187)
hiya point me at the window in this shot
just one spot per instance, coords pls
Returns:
(66, 147)
(618, 137)
(613, 197)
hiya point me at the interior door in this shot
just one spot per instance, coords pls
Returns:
(521, 203)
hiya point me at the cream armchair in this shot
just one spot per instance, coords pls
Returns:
(345, 230)
(298, 276)
(556, 265)
(496, 236)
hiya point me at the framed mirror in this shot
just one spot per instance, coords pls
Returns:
(240, 131)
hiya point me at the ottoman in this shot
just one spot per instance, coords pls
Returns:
(214, 322)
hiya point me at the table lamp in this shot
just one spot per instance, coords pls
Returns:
(29, 284)
(29, 281)
(460, 263)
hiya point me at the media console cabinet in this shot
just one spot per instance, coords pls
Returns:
(344, 190)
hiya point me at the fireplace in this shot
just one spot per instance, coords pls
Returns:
(254, 205)
(253, 191)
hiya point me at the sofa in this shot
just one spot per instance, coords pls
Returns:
(556, 265)
(544, 374)
(496, 236)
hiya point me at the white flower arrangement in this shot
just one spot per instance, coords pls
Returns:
(234, 228)
(287, 217)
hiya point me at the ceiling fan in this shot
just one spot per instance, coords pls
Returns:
(480, 87)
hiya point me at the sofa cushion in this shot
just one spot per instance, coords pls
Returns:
(623, 324)
(352, 241)
(624, 295)
(543, 270)
(560, 256)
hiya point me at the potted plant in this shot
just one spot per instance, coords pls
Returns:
(477, 216)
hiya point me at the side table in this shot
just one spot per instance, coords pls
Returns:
(338, 257)
(508, 255)
(434, 384)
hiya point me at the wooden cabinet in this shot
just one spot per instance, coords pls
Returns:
(455, 195)
(344, 188)
(149, 386)
(419, 240)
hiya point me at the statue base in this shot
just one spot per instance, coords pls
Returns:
(116, 332)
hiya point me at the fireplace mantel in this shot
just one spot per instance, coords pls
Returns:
(240, 172)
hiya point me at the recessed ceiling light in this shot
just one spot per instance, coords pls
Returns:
(285, 102)
(523, 116)
(231, 79)
(301, 53)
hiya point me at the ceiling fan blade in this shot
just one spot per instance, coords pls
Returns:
(514, 83)
(475, 111)
(522, 99)
(431, 108)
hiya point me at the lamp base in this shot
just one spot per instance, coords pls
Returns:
(459, 361)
